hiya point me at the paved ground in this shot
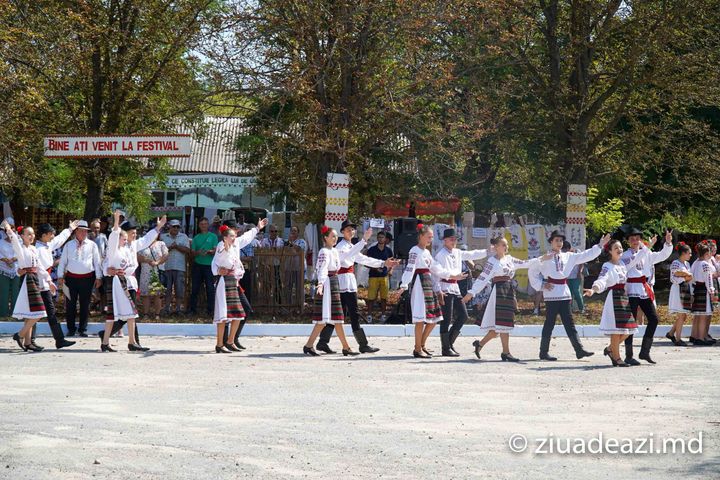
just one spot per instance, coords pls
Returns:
(182, 412)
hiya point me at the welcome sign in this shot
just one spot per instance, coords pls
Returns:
(99, 146)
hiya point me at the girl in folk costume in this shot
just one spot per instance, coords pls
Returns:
(46, 243)
(680, 301)
(227, 264)
(423, 299)
(328, 306)
(29, 305)
(120, 305)
(617, 319)
(715, 262)
(703, 292)
(348, 288)
(499, 316)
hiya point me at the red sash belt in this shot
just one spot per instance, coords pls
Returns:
(420, 271)
(445, 280)
(346, 270)
(501, 279)
(643, 280)
(333, 273)
(557, 281)
(79, 275)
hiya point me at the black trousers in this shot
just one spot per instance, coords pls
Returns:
(455, 311)
(118, 324)
(349, 305)
(248, 311)
(80, 289)
(202, 274)
(553, 309)
(648, 308)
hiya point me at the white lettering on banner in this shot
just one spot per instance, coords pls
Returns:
(179, 182)
(93, 146)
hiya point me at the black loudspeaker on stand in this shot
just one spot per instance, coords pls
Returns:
(405, 236)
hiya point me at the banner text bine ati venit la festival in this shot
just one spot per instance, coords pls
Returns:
(113, 146)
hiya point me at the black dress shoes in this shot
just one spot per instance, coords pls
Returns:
(106, 348)
(310, 351)
(136, 347)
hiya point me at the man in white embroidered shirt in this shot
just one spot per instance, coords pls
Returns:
(80, 269)
(640, 293)
(448, 291)
(551, 277)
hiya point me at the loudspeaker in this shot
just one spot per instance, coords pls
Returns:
(405, 233)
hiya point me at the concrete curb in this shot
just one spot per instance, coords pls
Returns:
(303, 330)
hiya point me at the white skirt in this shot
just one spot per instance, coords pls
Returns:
(674, 302)
(417, 305)
(488, 320)
(122, 306)
(22, 305)
(607, 321)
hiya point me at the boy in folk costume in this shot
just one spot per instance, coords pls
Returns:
(551, 277)
(423, 300)
(128, 250)
(640, 292)
(448, 292)
(328, 305)
(348, 288)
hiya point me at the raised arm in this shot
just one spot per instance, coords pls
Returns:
(519, 264)
(354, 251)
(61, 238)
(662, 255)
(147, 239)
(246, 238)
(473, 254)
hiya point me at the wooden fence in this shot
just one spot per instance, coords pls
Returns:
(278, 280)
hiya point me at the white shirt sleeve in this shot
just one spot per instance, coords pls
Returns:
(485, 277)
(146, 240)
(604, 280)
(246, 238)
(321, 267)
(473, 254)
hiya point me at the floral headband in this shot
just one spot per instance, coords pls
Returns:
(420, 226)
(679, 246)
(324, 229)
(223, 228)
(20, 229)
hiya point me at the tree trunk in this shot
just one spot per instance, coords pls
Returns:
(95, 184)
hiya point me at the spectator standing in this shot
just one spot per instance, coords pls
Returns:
(152, 261)
(378, 281)
(178, 245)
(9, 279)
(203, 250)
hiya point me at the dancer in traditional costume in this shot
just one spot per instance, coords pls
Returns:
(348, 289)
(29, 305)
(328, 305)
(703, 274)
(551, 277)
(639, 291)
(499, 316)
(680, 301)
(448, 291)
(423, 300)
(228, 302)
(46, 243)
(617, 320)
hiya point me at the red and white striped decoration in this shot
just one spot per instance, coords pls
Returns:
(336, 205)
(575, 217)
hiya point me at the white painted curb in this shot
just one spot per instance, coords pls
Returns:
(304, 329)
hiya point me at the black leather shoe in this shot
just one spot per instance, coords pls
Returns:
(221, 350)
(70, 333)
(420, 354)
(368, 349)
(670, 337)
(709, 340)
(324, 347)
(349, 352)
(478, 347)
(137, 347)
(547, 357)
(607, 352)
(646, 357)
(33, 348)
(681, 343)
(620, 363)
(18, 340)
(507, 357)
(631, 361)
(106, 348)
(231, 347)
(427, 352)
(63, 343)
(82, 334)
(310, 351)
(38, 348)
(583, 353)
(238, 346)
